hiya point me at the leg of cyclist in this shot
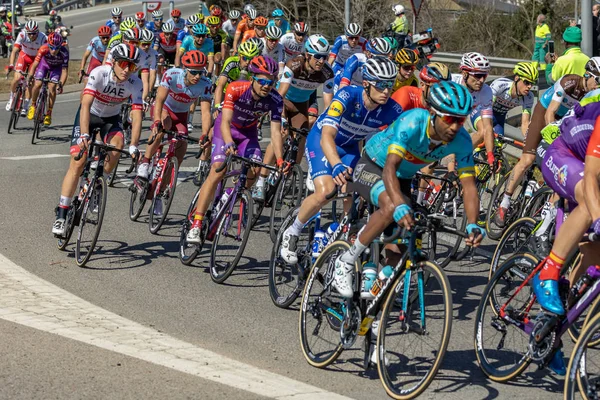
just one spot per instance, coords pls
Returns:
(37, 86)
(144, 168)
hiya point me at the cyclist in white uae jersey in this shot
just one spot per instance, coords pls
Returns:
(272, 47)
(293, 42)
(107, 88)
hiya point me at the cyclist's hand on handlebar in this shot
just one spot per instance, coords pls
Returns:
(83, 141)
(476, 235)
(284, 166)
(10, 68)
(230, 148)
(403, 215)
(157, 129)
(204, 142)
(340, 173)
(490, 158)
(133, 151)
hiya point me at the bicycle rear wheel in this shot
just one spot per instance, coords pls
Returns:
(494, 231)
(415, 345)
(583, 364)
(18, 106)
(515, 240)
(189, 252)
(322, 310)
(39, 115)
(91, 220)
(165, 195)
(288, 196)
(14, 111)
(232, 236)
(137, 198)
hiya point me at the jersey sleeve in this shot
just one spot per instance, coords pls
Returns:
(185, 45)
(209, 47)
(19, 41)
(337, 108)
(528, 103)
(328, 85)
(166, 80)
(351, 66)
(241, 27)
(593, 148)
(401, 137)
(41, 53)
(276, 108)
(92, 45)
(233, 93)
(336, 47)
(180, 36)
(136, 95)
(65, 53)
(94, 80)
(464, 155)
(207, 93)
(559, 91)
(287, 76)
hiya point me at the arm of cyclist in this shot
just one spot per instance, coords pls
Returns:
(84, 59)
(219, 91)
(334, 50)
(471, 199)
(352, 64)
(524, 123)
(64, 75)
(286, 81)
(327, 93)
(181, 52)
(137, 115)
(161, 96)
(226, 119)
(403, 212)
(84, 118)
(32, 68)
(207, 120)
(330, 150)
(550, 114)
(145, 78)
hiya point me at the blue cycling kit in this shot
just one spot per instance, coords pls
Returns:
(342, 51)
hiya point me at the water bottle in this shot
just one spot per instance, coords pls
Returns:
(383, 276)
(331, 230)
(369, 274)
(319, 243)
(224, 198)
(435, 191)
(582, 285)
(158, 169)
(272, 179)
(531, 187)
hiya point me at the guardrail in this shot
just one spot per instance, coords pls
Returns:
(495, 62)
(69, 5)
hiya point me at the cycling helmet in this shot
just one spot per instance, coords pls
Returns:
(199, 29)
(527, 70)
(131, 34)
(158, 14)
(200, 15)
(116, 12)
(393, 42)
(434, 72)
(398, 9)
(251, 13)
(353, 29)
(2, 9)
(263, 65)
(248, 49)
(213, 21)
(317, 44)
(301, 27)
(128, 23)
(261, 21)
(52, 13)
(378, 47)
(248, 7)
(104, 31)
(474, 62)
(273, 32)
(167, 27)
(277, 13)
(259, 44)
(407, 57)
(146, 36)
(140, 16)
(450, 98)
(379, 69)
(194, 59)
(592, 67)
(127, 52)
(193, 20)
(175, 13)
(216, 10)
(55, 39)
(234, 14)
(31, 27)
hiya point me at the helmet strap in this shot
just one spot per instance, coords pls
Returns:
(112, 70)
(368, 93)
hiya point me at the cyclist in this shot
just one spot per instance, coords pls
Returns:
(116, 18)
(293, 42)
(232, 70)
(27, 45)
(193, 20)
(219, 38)
(198, 40)
(117, 38)
(52, 59)
(140, 20)
(407, 60)
(260, 24)
(148, 62)
(235, 129)
(177, 90)
(346, 45)
(279, 21)
(176, 20)
(166, 44)
(553, 105)
(352, 73)
(50, 25)
(230, 26)
(96, 49)
(272, 47)
(108, 87)
(392, 158)
(410, 97)
(243, 26)
(156, 24)
(332, 146)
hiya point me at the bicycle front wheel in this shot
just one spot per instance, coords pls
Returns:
(164, 195)
(583, 364)
(91, 221)
(288, 196)
(137, 199)
(516, 239)
(493, 230)
(232, 236)
(188, 252)
(410, 350)
(62, 243)
(40, 108)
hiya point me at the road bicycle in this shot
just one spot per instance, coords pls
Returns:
(18, 100)
(40, 110)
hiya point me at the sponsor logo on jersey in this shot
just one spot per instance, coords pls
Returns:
(560, 173)
(336, 109)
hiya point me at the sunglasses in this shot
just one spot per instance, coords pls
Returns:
(382, 85)
(273, 40)
(54, 48)
(245, 58)
(176, 17)
(200, 36)
(527, 83)
(352, 37)
(264, 82)
(128, 65)
(118, 17)
(32, 34)
(133, 42)
(196, 72)
(319, 57)
(452, 119)
(157, 19)
(145, 44)
(301, 34)
(408, 67)
(259, 28)
(104, 37)
(479, 76)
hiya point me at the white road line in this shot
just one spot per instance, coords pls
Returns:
(31, 301)
(34, 157)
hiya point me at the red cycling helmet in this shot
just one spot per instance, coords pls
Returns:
(55, 39)
(216, 11)
(194, 59)
(263, 65)
(139, 16)
(175, 13)
(104, 31)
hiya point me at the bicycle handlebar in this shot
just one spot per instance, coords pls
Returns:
(173, 135)
(422, 225)
(202, 142)
(244, 160)
(301, 131)
(102, 145)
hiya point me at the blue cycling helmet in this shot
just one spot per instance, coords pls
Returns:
(317, 44)
(278, 12)
(450, 98)
(199, 29)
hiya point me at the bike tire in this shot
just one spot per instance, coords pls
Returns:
(188, 252)
(277, 214)
(259, 206)
(155, 222)
(508, 239)
(578, 361)
(62, 243)
(18, 106)
(388, 372)
(39, 115)
(497, 233)
(11, 122)
(137, 200)
(574, 331)
(218, 274)
(83, 253)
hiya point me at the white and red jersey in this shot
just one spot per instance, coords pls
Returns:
(291, 46)
(181, 96)
(168, 46)
(110, 94)
(148, 60)
(28, 46)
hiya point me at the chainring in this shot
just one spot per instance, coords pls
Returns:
(540, 352)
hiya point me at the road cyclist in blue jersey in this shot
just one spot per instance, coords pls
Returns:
(351, 42)
(391, 159)
(332, 146)
(351, 74)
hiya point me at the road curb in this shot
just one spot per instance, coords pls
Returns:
(78, 87)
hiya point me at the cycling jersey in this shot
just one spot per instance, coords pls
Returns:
(110, 94)
(28, 47)
(219, 38)
(277, 54)
(231, 70)
(182, 34)
(177, 26)
(61, 59)
(352, 73)
(409, 97)
(246, 110)
(113, 27)
(291, 46)
(482, 100)
(567, 91)
(411, 81)
(229, 28)
(302, 82)
(409, 138)
(242, 27)
(151, 26)
(207, 47)
(503, 101)
(285, 25)
(148, 60)
(97, 48)
(341, 50)
(181, 96)
(168, 46)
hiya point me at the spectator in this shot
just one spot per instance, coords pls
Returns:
(572, 60)
(400, 24)
(596, 30)
(542, 36)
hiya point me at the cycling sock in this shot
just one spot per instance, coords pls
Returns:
(296, 227)
(260, 182)
(552, 267)
(506, 200)
(49, 112)
(198, 218)
(420, 197)
(353, 253)
(145, 160)
(548, 215)
(65, 202)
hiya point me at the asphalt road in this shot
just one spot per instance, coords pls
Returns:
(138, 276)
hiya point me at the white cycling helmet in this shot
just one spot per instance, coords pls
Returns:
(378, 47)
(2, 9)
(116, 12)
(317, 44)
(146, 36)
(379, 69)
(248, 7)
(398, 9)
(259, 43)
(193, 20)
(353, 29)
(474, 62)
(251, 13)
(31, 27)
(273, 32)
(301, 27)
(234, 14)
(592, 67)
(167, 27)
(157, 14)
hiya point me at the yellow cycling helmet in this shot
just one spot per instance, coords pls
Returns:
(407, 57)
(248, 49)
(129, 23)
(527, 71)
(213, 20)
